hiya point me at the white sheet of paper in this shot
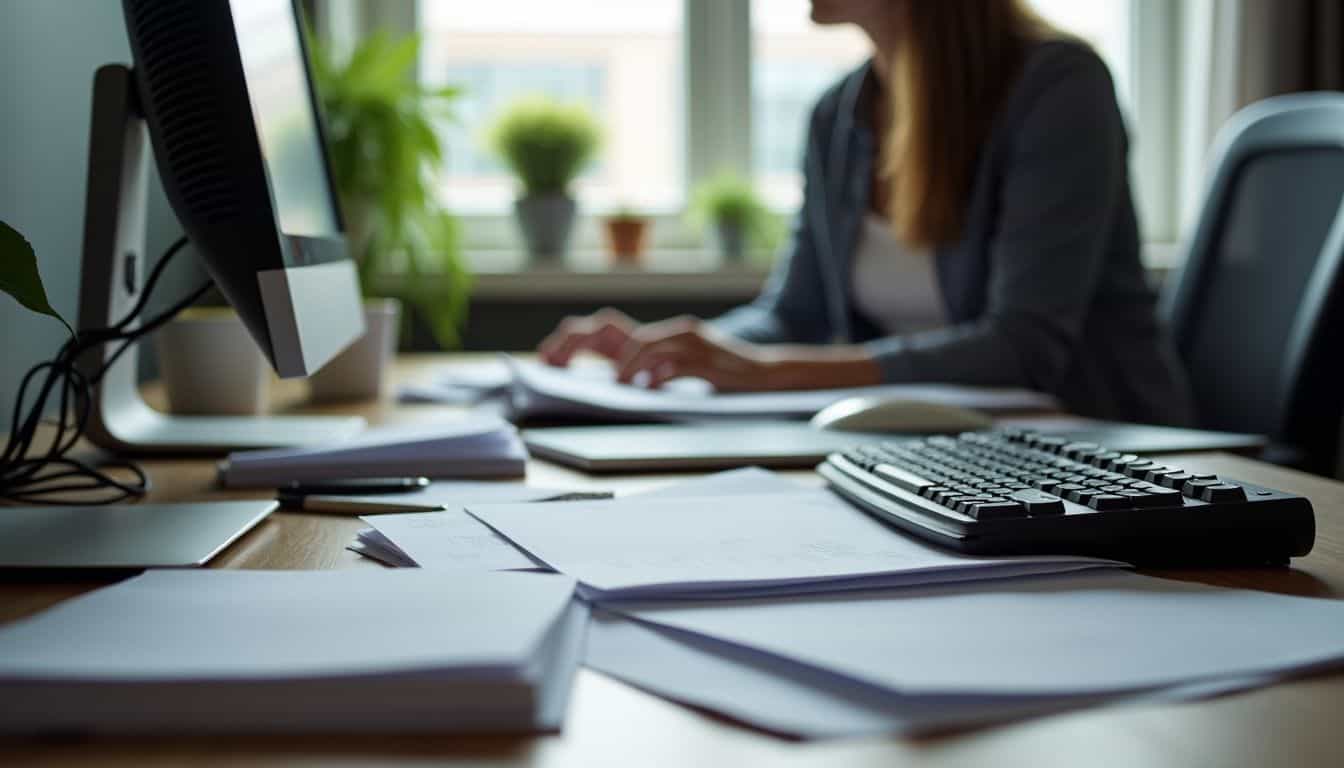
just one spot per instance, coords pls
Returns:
(1090, 633)
(800, 541)
(449, 539)
(454, 539)
(258, 625)
(455, 495)
(800, 700)
(544, 390)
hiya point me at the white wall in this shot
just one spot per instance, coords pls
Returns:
(49, 50)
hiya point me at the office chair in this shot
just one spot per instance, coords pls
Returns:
(1255, 310)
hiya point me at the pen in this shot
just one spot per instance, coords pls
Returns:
(297, 495)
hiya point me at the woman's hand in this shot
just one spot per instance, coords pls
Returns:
(687, 346)
(605, 332)
(683, 346)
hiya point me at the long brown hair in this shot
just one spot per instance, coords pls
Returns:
(950, 73)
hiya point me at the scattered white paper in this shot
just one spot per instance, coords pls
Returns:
(454, 539)
(779, 543)
(449, 539)
(1091, 633)
(801, 700)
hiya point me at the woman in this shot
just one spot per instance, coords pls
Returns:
(966, 218)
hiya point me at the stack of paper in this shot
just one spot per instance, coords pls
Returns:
(752, 545)
(333, 651)
(937, 656)
(475, 447)
(451, 538)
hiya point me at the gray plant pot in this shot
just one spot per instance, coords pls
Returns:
(546, 222)
(732, 242)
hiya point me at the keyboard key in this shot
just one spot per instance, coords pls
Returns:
(1222, 493)
(1195, 486)
(1083, 496)
(1109, 501)
(933, 490)
(902, 479)
(965, 506)
(1139, 468)
(1119, 463)
(1166, 497)
(1039, 502)
(997, 510)
(1175, 480)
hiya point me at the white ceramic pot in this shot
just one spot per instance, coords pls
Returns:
(210, 365)
(359, 372)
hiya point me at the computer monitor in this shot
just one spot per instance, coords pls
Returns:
(222, 92)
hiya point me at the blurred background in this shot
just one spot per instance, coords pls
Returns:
(674, 128)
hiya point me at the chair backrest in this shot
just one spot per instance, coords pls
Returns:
(1255, 310)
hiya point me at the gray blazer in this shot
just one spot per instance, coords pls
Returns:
(1044, 289)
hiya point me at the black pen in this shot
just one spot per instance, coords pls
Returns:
(296, 495)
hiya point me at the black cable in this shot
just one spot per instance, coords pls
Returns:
(42, 478)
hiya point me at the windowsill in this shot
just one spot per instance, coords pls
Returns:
(505, 275)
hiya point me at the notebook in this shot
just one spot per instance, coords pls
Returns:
(224, 651)
(478, 446)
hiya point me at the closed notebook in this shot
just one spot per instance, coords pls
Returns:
(296, 651)
(485, 446)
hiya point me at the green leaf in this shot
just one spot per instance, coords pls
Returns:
(19, 276)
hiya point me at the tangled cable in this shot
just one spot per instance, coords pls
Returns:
(43, 477)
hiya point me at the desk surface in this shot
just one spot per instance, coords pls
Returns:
(610, 723)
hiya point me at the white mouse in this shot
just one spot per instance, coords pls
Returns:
(885, 414)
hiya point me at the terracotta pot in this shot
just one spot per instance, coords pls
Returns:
(627, 238)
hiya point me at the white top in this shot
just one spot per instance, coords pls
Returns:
(895, 285)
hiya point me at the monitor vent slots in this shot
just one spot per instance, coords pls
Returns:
(172, 34)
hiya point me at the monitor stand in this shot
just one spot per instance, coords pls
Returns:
(110, 283)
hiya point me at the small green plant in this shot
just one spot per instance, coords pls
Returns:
(19, 276)
(385, 155)
(545, 143)
(626, 213)
(730, 200)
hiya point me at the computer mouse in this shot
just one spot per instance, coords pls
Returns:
(866, 413)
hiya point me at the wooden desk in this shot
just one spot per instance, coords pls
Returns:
(610, 723)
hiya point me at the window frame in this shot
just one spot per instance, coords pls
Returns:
(718, 132)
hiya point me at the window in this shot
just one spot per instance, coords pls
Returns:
(793, 61)
(671, 118)
(621, 60)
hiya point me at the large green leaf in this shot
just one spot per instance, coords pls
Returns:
(19, 276)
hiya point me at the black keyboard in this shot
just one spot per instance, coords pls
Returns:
(1022, 492)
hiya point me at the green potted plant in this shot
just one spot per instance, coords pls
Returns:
(385, 153)
(19, 276)
(627, 235)
(729, 205)
(546, 144)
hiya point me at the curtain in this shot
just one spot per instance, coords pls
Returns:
(1236, 52)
